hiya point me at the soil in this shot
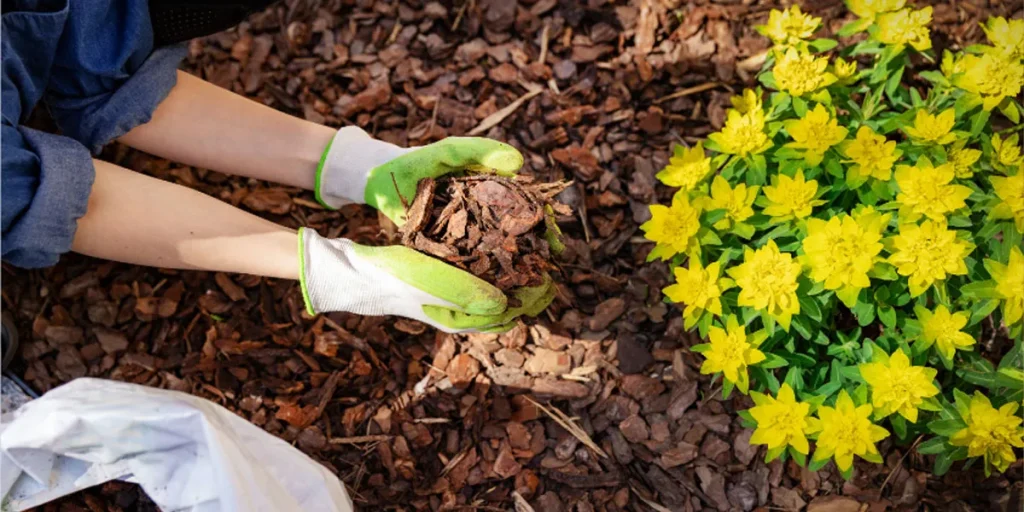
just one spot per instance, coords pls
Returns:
(599, 405)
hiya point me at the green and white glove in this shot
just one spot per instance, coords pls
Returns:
(340, 275)
(356, 168)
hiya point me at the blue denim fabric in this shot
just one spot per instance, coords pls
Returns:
(92, 62)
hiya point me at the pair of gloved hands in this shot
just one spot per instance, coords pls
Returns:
(339, 275)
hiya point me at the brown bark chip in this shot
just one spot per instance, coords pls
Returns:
(486, 224)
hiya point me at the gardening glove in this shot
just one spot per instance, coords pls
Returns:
(340, 275)
(356, 168)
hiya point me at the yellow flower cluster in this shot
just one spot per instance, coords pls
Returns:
(926, 253)
(700, 289)
(737, 202)
(674, 228)
(872, 156)
(687, 168)
(767, 281)
(743, 134)
(997, 73)
(730, 352)
(1009, 278)
(932, 129)
(897, 386)
(906, 27)
(841, 251)
(928, 191)
(800, 73)
(814, 134)
(1010, 191)
(791, 198)
(944, 330)
(991, 433)
(790, 28)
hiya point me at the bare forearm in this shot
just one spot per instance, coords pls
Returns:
(134, 218)
(206, 126)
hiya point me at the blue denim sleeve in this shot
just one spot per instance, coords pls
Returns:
(46, 182)
(106, 77)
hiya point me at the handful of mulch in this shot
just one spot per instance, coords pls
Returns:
(499, 229)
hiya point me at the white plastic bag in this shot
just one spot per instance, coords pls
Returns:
(187, 453)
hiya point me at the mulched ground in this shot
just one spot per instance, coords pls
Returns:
(596, 406)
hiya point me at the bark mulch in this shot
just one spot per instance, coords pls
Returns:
(598, 404)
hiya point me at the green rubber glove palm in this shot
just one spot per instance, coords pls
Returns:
(356, 168)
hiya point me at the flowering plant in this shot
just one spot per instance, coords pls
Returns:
(851, 238)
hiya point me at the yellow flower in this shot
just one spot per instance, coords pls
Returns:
(1006, 36)
(781, 421)
(674, 228)
(767, 281)
(700, 288)
(872, 156)
(944, 330)
(800, 73)
(991, 433)
(730, 352)
(815, 133)
(991, 76)
(790, 27)
(1006, 152)
(898, 387)
(790, 198)
(749, 101)
(963, 160)
(952, 65)
(687, 167)
(735, 201)
(934, 129)
(871, 8)
(928, 191)
(1011, 191)
(841, 251)
(927, 253)
(904, 27)
(845, 71)
(846, 430)
(1009, 280)
(743, 134)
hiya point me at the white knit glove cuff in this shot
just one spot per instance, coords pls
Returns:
(346, 164)
(335, 278)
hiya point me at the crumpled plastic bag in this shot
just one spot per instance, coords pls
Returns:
(187, 453)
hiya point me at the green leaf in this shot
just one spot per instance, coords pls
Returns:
(743, 230)
(800, 106)
(823, 45)
(774, 453)
(899, 425)
(935, 77)
(887, 315)
(768, 80)
(982, 310)
(979, 290)
(865, 313)
(799, 324)
(979, 122)
(893, 83)
(816, 465)
(809, 307)
(933, 446)
(773, 361)
(798, 457)
(851, 28)
(946, 428)
(942, 464)
(1009, 109)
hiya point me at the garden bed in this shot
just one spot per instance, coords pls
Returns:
(597, 405)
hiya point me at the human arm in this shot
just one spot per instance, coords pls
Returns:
(138, 219)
